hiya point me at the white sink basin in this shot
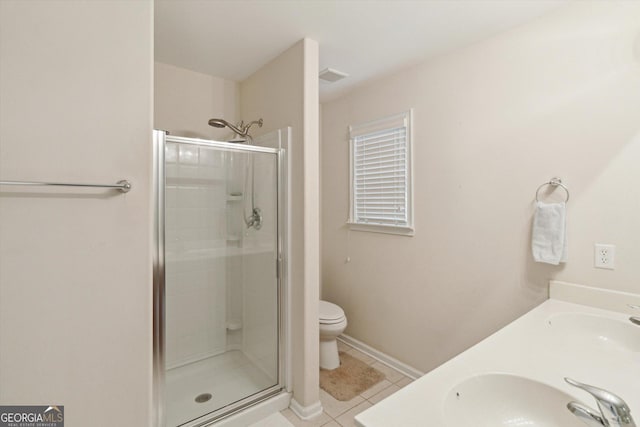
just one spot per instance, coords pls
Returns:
(595, 331)
(495, 400)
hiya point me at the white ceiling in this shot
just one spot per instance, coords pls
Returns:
(364, 38)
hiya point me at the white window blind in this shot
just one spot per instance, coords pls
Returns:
(381, 174)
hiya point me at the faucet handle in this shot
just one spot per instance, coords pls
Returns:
(611, 405)
(586, 414)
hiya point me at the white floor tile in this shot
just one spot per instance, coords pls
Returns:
(318, 421)
(375, 389)
(405, 381)
(334, 407)
(384, 394)
(346, 419)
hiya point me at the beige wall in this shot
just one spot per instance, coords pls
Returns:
(185, 100)
(285, 93)
(492, 122)
(75, 264)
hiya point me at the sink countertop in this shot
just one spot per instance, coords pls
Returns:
(532, 347)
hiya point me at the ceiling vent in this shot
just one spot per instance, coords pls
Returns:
(330, 75)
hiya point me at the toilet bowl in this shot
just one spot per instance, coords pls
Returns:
(332, 323)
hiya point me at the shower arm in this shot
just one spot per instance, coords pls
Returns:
(244, 129)
(237, 130)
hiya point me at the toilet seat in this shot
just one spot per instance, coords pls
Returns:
(330, 314)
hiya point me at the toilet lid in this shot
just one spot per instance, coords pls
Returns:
(329, 312)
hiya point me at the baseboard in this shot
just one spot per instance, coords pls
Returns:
(381, 357)
(305, 412)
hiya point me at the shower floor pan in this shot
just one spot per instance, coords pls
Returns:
(227, 378)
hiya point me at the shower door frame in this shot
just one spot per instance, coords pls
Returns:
(160, 138)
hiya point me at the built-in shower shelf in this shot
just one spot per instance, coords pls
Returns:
(234, 198)
(234, 325)
(233, 239)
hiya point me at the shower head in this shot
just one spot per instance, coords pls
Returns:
(242, 130)
(218, 123)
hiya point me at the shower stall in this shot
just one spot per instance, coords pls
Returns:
(219, 293)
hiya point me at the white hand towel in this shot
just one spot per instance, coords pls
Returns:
(549, 235)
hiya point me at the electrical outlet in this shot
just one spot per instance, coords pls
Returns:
(605, 256)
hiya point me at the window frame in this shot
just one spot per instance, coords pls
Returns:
(405, 119)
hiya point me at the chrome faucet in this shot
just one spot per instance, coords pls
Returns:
(614, 412)
(586, 414)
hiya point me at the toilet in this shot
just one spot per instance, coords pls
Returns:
(332, 323)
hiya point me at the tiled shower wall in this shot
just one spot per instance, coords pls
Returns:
(196, 239)
(221, 283)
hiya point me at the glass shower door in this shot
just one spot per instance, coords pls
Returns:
(221, 287)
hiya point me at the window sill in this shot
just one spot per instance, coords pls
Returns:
(385, 229)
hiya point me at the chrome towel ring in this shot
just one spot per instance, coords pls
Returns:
(554, 182)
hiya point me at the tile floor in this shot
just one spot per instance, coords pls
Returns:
(340, 414)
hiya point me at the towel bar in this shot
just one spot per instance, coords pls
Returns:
(123, 185)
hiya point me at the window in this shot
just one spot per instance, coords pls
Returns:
(380, 169)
